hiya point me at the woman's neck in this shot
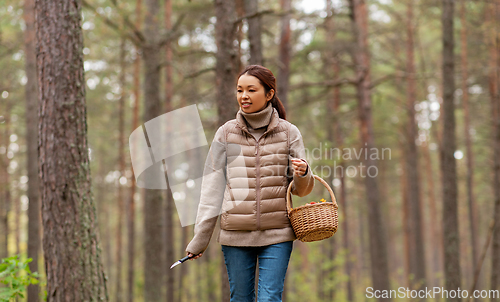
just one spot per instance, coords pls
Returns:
(260, 118)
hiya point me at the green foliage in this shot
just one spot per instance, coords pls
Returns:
(16, 274)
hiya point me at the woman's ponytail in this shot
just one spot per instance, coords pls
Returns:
(276, 103)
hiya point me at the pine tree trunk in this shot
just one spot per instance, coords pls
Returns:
(153, 245)
(284, 54)
(32, 145)
(336, 137)
(254, 32)
(5, 185)
(378, 242)
(468, 144)
(121, 164)
(225, 67)
(131, 203)
(169, 225)
(495, 106)
(417, 255)
(435, 233)
(452, 270)
(434, 227)
(70, 240)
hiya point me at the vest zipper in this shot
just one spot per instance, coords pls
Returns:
(257, 183)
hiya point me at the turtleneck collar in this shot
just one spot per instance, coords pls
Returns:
(258, 119)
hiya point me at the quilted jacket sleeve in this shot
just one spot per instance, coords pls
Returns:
(302, 185)
(212, 193)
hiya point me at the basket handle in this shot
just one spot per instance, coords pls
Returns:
(289, 194)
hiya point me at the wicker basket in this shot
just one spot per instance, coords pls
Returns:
(313, 222)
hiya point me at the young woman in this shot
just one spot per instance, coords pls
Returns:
(258, 150)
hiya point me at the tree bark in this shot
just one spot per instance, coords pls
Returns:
(468, 144)
(32, 144)
(492, 13)
(131, 203)
(4, 185)
(284, 54)
(254, 33)
(153, 247)
(240, 12)
(452, 270)
(121, 165)
(336, 137)
(416, 251)
(225, 67)
(169, 225)
(70, 241)
(434, 226)
(435, 234)
(378, 245)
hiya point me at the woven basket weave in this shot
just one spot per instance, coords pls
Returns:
(313, 222)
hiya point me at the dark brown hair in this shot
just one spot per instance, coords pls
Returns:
(267, 79)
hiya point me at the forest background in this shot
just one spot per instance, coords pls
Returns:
(416, 78)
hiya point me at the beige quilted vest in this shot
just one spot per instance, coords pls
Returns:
(254, 198)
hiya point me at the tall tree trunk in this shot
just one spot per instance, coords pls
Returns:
(131, 203)
(254, 32)
(336, 137)
(435, 225)
(153, 247)
(225, 67)
(378, 246)
(104, 208)
(32, 144)
(17, 212)
(121, 164)
(240, 12)
(284, 53)
(5, 184)
(492, 13)
(452, 270)
(417, 254)
(169, 225)
(406, 214)
(70, 240)
(468, 144)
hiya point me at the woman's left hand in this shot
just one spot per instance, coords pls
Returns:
(299, 167)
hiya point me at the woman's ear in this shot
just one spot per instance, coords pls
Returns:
(270, 95)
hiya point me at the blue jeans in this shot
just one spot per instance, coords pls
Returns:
(241, 263)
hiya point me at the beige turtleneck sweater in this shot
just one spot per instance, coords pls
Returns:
(257, 122)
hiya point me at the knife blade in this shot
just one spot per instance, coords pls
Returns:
(182, 260)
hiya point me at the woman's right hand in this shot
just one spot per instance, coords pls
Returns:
(195, 257)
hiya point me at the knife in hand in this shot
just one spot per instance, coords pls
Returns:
(182, 260)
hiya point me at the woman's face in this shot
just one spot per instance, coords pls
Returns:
(251, 94)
